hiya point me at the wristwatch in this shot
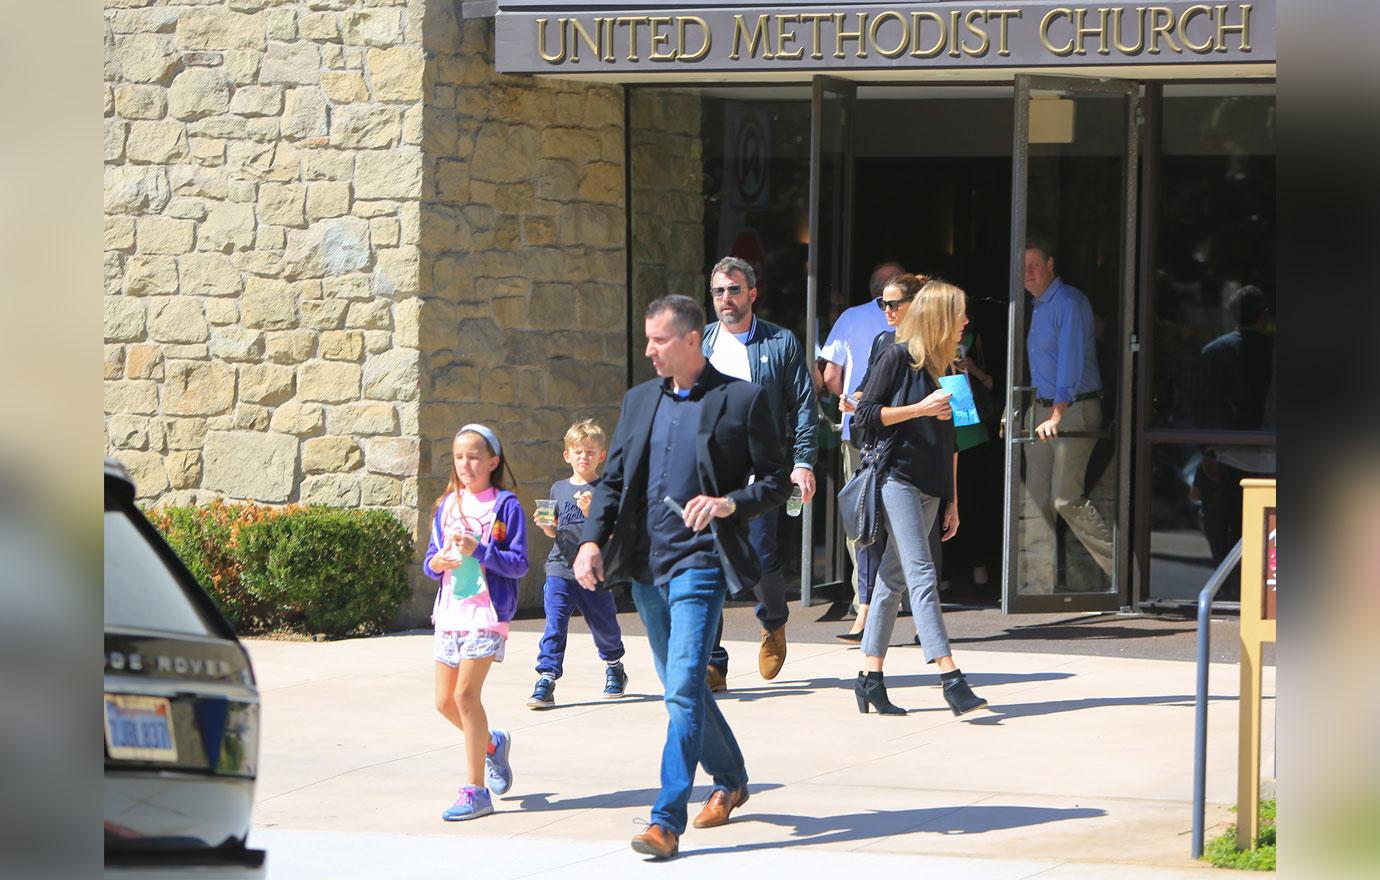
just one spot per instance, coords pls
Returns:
(732, 505)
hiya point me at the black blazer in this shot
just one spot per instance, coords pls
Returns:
(737, 438)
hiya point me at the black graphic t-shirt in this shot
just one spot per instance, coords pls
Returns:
(569, 521)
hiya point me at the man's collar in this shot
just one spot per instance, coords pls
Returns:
(708, 378)
(1056, 285)
(751, 330)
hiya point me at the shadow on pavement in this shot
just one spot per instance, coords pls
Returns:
(633, 797)
(877, 824)
(998, 713)
(797, 687)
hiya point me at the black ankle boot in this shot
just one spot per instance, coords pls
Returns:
(871, 691)
(958, 695)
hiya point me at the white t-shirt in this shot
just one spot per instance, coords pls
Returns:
(848, 345)
(730, 354)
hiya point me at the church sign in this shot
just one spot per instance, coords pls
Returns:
(570, 39)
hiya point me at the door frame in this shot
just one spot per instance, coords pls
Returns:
(1118, 598)
(843, 233)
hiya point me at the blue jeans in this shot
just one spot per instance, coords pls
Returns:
(680, 617)
(562, 598)
(770, 590)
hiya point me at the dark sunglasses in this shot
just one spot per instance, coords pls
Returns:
(889, 305)
(730, 290)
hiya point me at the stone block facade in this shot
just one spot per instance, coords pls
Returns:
(333, 235)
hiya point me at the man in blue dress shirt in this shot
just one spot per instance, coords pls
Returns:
(1068, 397)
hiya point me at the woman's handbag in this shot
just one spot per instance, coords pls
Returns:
(860, 499)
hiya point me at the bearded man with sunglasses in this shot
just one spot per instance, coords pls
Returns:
(744, 346)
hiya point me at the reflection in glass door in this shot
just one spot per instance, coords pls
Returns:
(1069, 359)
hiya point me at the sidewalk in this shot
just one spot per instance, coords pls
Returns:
(1085, 764)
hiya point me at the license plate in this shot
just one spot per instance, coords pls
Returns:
(139, 728)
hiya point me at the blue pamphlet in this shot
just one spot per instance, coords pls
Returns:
(962, 403)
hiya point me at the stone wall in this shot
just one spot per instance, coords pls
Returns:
(524, 244)
(667, 203)
(333, 235)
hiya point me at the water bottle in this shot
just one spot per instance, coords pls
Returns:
(467, 579)
(795, 502)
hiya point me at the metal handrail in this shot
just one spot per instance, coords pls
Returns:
(1205, 598)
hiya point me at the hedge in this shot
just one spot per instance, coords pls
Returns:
(306, 568)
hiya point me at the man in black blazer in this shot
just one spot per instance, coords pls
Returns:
(694, 436)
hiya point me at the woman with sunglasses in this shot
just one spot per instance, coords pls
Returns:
(903, 403)
(897, 295)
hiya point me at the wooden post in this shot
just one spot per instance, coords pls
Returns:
(1257, 627)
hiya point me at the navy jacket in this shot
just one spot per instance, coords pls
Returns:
(736, 438)
(778, 366)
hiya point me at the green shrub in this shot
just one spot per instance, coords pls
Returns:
(316, 569)
(203, 538)
(328, 570)
(1221, 851)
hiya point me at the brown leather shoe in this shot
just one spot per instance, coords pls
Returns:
(714, 677)
(657, 842)
(771, 656)
(721, 802)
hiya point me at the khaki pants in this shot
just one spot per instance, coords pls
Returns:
(1055, 471)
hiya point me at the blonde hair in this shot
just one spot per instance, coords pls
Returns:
(586, 431)
(930, 325)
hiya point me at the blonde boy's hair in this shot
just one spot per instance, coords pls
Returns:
(587, 431)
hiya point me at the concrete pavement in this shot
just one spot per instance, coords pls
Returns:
(1084, 766)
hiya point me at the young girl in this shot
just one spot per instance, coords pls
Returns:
(478, 551)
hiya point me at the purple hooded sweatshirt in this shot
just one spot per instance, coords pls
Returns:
(504, 557)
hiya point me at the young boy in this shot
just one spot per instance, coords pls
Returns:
(585, 451)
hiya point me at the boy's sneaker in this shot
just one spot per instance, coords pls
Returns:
(544, 694)
(615, 681)
(471, 804)
(498, 772)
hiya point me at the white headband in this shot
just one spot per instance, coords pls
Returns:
(488, 435)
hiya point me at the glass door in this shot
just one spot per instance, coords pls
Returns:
(1069, 346)
(822, 557)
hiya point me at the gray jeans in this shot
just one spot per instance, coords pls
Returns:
(907, 563)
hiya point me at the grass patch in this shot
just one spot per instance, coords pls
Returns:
(1221, 851)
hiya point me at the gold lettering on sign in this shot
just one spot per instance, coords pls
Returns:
(631, 22)
(953, 33)
(580, 33)
(659, 39)
(1162, 24)
(1244, 28)
(606, 26)
(915, 30)
(680, 39)
(1003, 16)
(547, 56)
(740, 32)
(1118, 36)
(1057, 12)
(816, 19)
(1188, 15)
(784, 36)
(1082, 31)
(900, 48)
(840, 35)
(970, 24)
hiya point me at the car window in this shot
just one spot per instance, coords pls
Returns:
(140, 590)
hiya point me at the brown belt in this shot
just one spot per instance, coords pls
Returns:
(1078, 398)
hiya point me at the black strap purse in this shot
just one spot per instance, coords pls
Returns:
(860, 499)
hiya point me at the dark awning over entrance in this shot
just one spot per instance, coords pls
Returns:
(682, 40)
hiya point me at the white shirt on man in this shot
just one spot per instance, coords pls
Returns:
(848, 345)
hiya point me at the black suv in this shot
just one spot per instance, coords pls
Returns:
(181, 712)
